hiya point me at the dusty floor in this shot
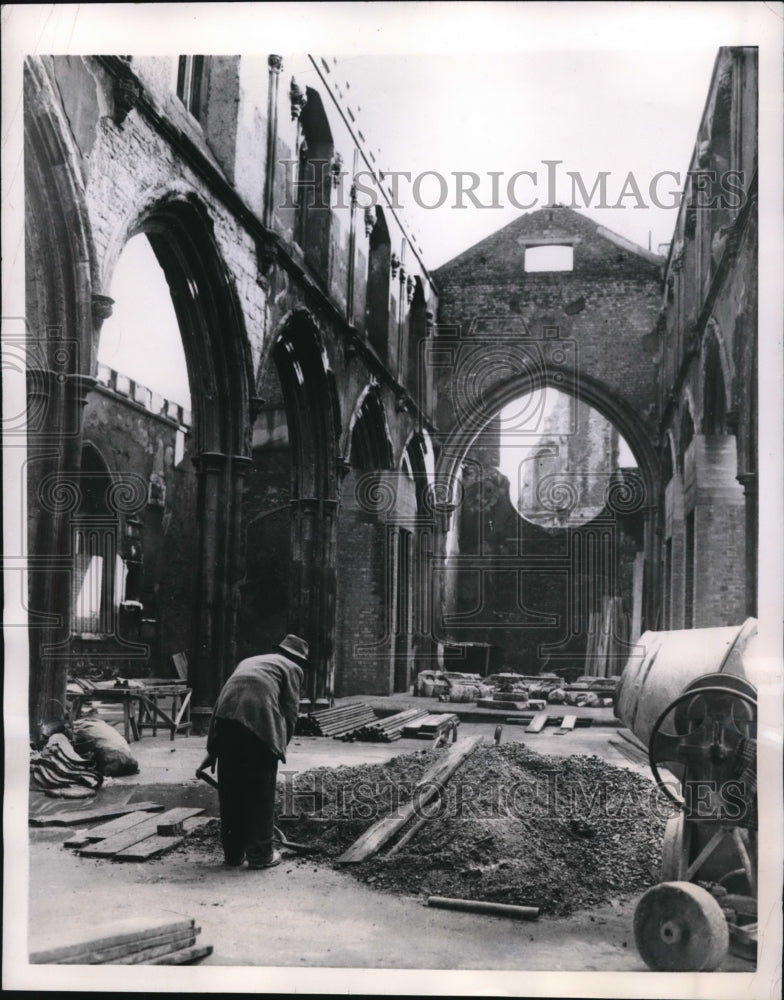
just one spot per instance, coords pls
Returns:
(303, 914)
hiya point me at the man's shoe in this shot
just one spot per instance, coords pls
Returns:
(275, 859)
(231, 863)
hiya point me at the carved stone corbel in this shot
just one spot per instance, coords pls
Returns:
(126, 91)
(298, 99)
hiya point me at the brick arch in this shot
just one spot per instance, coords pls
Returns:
(716, 379)
(582, 387)
(180, 230)
(312, 410)
(368, 429)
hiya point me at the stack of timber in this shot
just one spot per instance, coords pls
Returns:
(335, 721)
(135, 941)
(384, 730)
(430, 726)
(136, 836)
(60, 772)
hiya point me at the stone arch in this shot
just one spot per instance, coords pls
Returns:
(686, 428)
(583, 387)
(417, 332)
(369, 444)
(217, 350)
(313, 419)
(716, 382)
(181, 233)
(378, 285)
(642, 491)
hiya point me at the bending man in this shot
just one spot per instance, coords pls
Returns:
(251, 726)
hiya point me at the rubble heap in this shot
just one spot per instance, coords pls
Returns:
(515, 826)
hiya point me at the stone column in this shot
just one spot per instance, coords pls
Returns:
(312, 595)
(208, 650)
(275, 65)
(54, 451)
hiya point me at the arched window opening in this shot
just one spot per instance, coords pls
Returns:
(685, 435)
(714, 407)
(417, 332)
(667, 467)
(548, 569)
(141, 339)
(379, 271)
(561, 458)
(370, 444)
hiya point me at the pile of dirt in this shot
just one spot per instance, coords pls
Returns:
(513, 826)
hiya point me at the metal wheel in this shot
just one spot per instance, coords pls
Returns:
(705, 726)
(679, 927)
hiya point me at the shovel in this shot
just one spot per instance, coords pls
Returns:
(280, 836)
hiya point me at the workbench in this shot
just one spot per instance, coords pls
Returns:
(153, 706)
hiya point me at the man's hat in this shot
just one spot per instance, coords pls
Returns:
(294, 647)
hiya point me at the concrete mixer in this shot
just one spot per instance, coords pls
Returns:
(691, 699)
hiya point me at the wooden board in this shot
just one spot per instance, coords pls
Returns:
(129, 952)
(373, 839)
(105, 830)
(567, 724)
(537, 724)
(82, 816)
(82, 942)
(159, 951)
(148, 848)
(186, 956)
(121, 841)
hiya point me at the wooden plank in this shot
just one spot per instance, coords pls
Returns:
(129, 952)
(84, 837)
(119, 932)
(147, 955)
(122, 841)
(373, 839)
(107, 829)
(537, 724)
(82, 816)
(180, 661)
(186, 956)
(148, 848)
(567, 724)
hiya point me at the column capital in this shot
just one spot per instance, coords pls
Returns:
(275, 63)
(79, 386)
(210, 462)
(240, 464)
(102, 307)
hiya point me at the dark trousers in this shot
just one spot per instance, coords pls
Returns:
(246, 791)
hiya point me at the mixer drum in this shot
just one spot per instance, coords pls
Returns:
(671, 661)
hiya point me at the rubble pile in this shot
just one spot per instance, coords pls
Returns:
(514, 827)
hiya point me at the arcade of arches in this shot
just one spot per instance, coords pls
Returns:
(334, 464)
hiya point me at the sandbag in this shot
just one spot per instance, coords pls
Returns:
(110, 750)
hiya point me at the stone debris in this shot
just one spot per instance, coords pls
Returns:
(515, 826)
